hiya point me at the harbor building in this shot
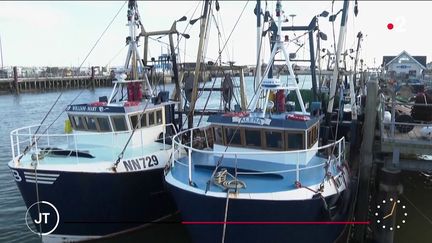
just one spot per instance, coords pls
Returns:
(404, 66)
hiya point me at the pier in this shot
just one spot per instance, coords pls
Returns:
(53, 83)
(18, 84)
(391, 144)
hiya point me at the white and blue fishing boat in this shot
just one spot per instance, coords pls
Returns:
(105, 175)
(261, 176)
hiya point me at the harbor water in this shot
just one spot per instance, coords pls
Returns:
(30, 108)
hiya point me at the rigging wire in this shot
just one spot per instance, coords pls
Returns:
(61, 93)
(121, 154)
(187, 25)
(225, 44)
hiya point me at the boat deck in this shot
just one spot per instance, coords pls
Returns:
(259, 176)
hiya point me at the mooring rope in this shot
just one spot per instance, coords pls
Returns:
(225, 217)
(37, 193)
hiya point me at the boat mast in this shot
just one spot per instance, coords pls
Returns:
(258, 53)
(279, 46)
(203, 31)
(133, 61)
(340, 44)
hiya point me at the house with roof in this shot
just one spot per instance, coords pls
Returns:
(404, 66)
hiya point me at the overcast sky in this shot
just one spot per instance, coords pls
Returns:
(62, 33)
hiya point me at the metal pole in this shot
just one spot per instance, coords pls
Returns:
(340, 44)
(258, 67)
(312, 64)
(175, 68)
(198, 63)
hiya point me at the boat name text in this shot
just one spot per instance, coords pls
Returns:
(140, 163)
(252, 120)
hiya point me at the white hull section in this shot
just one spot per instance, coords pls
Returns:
(149, 161)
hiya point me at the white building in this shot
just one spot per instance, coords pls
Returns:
(404, 66)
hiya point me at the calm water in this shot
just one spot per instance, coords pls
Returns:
(18, 111)
(30, 108)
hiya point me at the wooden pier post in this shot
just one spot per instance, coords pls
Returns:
(92, 79)
(366, 159)
(389, 187)
(15, 76)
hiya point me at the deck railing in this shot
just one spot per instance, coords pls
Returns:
(24, 140)
(335, 152)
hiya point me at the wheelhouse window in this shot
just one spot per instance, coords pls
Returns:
(143, 120)
(104, 125)
(159, 117)
(134, 121)
(79, 122)
(274, 140)
(295, 141)
(253, 138)
(218, 134)
(91, 123)
(119, 123)
(312, 136)
(151, 118)
(233, 136)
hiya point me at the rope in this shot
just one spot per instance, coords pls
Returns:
(226, 42)
(225, 217)
(121, 154)
(37, 193)
(418, 210)
(299, 185)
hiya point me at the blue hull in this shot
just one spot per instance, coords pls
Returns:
(97, 204)
(200, 208)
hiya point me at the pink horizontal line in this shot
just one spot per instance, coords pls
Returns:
(275, 222)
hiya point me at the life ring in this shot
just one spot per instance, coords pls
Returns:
(297, 117)
(131, 103)
(237, 114)
(98, 103)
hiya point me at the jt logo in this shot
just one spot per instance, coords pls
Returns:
(45, 216)
(42, 220)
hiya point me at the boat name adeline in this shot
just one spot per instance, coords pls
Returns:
(252, 120)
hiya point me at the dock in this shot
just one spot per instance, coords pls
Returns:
(53, 83)
(390, 145)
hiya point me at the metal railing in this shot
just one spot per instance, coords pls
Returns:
(335, 152)
(393, 130)
(24, 140)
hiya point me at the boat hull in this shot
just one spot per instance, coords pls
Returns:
(91, 205)
(260, 220)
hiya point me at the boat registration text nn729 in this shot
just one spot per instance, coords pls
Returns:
(145, 162)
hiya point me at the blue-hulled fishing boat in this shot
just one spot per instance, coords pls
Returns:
(259, 175)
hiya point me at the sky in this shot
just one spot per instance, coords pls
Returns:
(61, 33)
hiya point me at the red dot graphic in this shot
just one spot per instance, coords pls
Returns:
(390, 26)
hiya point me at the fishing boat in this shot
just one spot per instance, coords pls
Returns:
(259, 175)
(104, 175)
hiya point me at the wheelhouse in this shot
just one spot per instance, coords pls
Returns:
(117, 122)
(279, 135)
